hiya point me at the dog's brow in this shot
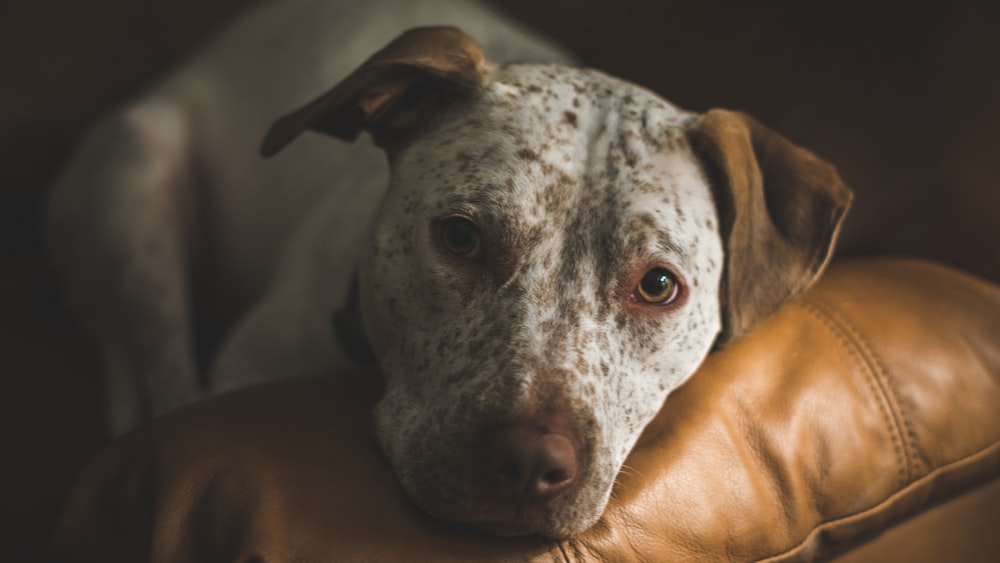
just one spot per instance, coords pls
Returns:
(646, 233)
(476, 205)
(667, 248)
(657, 244)
(665, 243)
(481, 203)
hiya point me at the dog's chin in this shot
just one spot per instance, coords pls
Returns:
(511, 528)
(543, 527)
(502, 520)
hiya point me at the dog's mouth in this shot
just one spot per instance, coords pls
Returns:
(527, 525)
(506, 521)
(498, 514)
(508, 528)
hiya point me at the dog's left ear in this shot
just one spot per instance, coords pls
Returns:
(780, 209)
(390, 93)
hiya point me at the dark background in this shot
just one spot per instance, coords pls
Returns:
(904, 97)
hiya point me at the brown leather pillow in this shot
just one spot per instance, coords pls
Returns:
(870, 398)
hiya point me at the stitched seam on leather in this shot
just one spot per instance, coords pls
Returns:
(876, 387)
(993, 448)
(910, 446)
(914, 463)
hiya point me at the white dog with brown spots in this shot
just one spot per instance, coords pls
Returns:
(547, 254)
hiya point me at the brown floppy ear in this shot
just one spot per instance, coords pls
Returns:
(780, 209)
(387, 95)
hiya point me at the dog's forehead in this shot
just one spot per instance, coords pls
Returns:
(552, 102)
(576, 122)
(541, 135)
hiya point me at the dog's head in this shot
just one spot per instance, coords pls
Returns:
(557, 251)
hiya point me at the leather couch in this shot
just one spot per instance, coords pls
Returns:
(861, 421)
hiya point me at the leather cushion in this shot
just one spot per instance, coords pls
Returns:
(869, 399)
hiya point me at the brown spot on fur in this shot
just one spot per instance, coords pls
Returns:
(527, 154)
(570, 118)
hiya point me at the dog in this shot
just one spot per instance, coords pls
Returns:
(547, 253)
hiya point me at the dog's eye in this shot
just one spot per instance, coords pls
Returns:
(658, 287)
(461, 237)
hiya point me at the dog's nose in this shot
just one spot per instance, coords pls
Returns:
(529, 461)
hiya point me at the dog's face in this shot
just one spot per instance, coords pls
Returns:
(549, 248)
(550, 261)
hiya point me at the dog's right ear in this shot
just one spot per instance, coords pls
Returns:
(390, 93)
